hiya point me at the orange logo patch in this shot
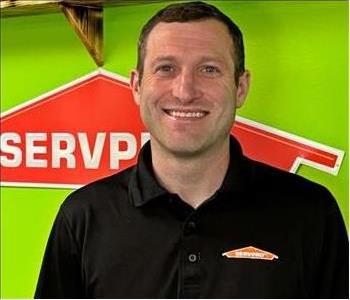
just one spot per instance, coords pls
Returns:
(251, 253)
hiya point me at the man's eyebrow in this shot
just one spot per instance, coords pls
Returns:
(173, 58)
(212, 59)
(163, 58)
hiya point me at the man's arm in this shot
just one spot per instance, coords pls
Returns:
(332, 278)
(61, 272)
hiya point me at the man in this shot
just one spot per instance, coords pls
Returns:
(195, 218)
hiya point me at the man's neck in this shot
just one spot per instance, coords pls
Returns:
(194, 179)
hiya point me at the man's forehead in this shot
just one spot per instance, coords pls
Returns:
(208, 38)
(208, 25)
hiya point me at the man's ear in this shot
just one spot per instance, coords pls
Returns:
(134, 85)
(242, 88)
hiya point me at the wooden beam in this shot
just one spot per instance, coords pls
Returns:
(87, 22)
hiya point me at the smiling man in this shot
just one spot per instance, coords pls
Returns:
(195, 218)
(188, 95)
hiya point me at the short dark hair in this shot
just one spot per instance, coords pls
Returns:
(187, 12)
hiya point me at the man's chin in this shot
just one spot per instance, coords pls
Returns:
(185, 150)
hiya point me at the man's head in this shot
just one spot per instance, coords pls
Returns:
(186, 83)
(191, 12)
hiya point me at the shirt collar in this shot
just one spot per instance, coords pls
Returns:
(143, 185)
(238, 175)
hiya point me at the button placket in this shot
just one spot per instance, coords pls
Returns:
(191, 259)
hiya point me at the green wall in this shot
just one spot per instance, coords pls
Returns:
(297, 52)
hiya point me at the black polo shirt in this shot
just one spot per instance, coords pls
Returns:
(127, 237)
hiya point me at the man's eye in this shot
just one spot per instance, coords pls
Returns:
(165, 69)
(210, 70)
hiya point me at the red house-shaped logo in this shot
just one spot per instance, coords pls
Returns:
(90, 128)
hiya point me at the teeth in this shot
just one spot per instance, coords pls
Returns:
(182, 114)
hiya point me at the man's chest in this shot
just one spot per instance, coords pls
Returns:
(221, 254)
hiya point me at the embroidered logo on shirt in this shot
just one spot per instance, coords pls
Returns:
(251, 253)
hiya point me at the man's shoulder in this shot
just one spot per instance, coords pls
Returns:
(265, 174)
(291, 188)
(111, 190)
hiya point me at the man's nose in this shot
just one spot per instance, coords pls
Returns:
(185, 86)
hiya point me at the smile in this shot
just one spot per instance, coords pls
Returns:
(185, 114)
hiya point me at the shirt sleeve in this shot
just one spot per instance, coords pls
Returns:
(61, 272)
(332, 278)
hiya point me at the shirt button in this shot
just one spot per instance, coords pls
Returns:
(192, 258)
(191, 225)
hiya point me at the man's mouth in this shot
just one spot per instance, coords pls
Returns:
(181, 114)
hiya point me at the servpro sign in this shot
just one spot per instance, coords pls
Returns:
(90, 128)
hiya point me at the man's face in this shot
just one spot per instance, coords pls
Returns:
(187, 94)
